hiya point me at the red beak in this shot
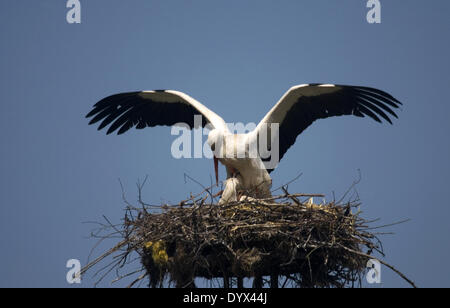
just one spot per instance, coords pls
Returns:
(216, 169)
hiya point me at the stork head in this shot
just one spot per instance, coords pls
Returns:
(215, 141)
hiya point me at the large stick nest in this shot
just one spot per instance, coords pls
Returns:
(287, 238)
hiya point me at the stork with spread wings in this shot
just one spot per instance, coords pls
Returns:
(299, 107)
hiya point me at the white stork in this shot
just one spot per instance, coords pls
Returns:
(299, 107)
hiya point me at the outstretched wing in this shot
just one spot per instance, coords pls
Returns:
(304, 104)
(150, 108)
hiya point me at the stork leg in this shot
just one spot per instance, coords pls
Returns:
(218, 194)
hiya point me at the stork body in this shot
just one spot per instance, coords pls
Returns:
(247, 171)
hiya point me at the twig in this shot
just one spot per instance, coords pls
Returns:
(382, 262)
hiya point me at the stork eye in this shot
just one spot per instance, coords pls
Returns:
(213, 147)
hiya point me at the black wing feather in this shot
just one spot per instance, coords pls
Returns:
(349, 100)
(126, 110)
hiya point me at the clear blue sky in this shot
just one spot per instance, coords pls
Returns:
(57, 172)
